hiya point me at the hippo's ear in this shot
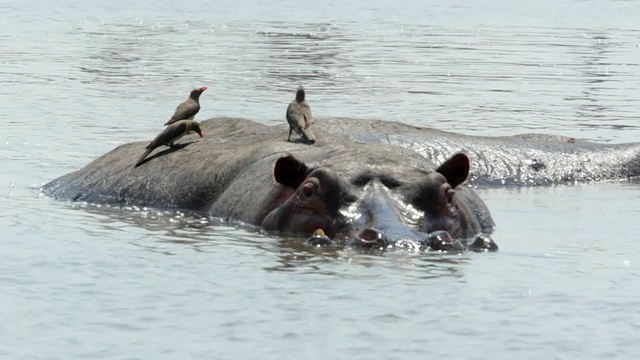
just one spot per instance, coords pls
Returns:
(456, 169)
(290, 171)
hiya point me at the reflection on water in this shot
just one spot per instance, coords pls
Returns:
(168, 231)
(295, 256)
(156, 228)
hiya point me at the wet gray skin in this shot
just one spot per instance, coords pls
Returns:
(386, 219)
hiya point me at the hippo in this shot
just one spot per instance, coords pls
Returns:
(244, 172)
(365, 182)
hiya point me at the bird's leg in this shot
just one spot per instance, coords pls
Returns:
(290, 130)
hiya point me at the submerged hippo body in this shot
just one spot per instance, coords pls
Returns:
(367, 181)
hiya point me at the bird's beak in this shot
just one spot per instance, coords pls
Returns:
(199, 133)
(203, 88)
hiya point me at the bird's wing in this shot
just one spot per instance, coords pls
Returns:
(169, 133)
(185, 110)
(295, 117)
(307, 114)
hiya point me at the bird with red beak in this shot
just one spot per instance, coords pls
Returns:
(171, 134)
(189, 108)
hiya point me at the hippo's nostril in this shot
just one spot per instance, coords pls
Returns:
(370, 238)
(442, 241)
(370, 235)
(483, 242)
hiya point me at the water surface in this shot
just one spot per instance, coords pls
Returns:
(79, 78)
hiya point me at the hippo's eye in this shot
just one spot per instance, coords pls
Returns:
(348, 198)
(390, 182)
(450, 193)
(308, 189)
(362, 179)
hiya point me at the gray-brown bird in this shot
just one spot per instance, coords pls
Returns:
(299, 117)
(189, 108)
(171, 134)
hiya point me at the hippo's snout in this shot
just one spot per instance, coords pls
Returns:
(438, 240)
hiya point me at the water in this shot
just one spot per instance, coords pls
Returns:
(78, 280)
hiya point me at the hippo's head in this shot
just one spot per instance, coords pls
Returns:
(373, 208)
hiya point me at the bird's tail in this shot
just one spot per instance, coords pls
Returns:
(147, 152)
(308, 134)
